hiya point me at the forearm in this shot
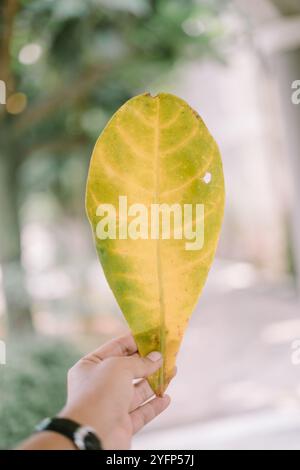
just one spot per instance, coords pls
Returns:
(47, 441)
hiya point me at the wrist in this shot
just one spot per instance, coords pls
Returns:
(47, 440)
(82, 420)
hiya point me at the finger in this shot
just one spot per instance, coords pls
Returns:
(148, 412)
(123, 346)
(142, 393)
(142, 367)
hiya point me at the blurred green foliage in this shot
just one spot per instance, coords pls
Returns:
(32, 386)
(93, 55)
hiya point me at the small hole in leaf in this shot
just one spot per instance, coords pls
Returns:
(207, 178)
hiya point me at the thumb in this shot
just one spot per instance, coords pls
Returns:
(142, 367)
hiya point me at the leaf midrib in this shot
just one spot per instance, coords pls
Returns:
(162, 330)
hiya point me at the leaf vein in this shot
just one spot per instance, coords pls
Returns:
(183, 143)
(131, 145)
(199, 174)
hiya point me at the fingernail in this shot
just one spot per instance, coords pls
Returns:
(154, 356)
(166, 398)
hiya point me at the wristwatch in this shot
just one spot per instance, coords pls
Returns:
(83, 437)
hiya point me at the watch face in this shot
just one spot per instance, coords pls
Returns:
(91, 442)
(85, 439)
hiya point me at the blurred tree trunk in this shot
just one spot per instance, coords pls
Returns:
(288, 7)
(13, 277)
(288, 69)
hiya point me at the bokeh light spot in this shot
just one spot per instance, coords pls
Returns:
(30, 54)
(16, 103)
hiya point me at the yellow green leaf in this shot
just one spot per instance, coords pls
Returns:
(154, 151)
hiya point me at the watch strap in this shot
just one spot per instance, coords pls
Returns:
(83, 437)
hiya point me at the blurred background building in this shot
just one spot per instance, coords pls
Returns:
(67, 66)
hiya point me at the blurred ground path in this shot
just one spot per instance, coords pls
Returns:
(236, 355)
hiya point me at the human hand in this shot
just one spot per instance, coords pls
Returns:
(101, 392)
